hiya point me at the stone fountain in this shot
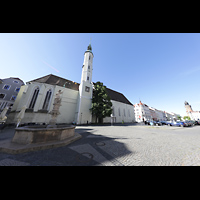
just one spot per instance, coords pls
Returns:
(55, 112)
(46, 133)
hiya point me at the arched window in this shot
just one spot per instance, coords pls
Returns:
(47, 100)
(34, 98)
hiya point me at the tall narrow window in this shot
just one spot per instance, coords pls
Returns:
(34, 98)
(119, 111)
(113, 111)
(124, 113)
(47, 100)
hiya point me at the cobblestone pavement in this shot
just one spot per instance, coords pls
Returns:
(126, 145)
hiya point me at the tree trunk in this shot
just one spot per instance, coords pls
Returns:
(96, 119)
(100, 120)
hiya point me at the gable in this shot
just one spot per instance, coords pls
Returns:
(56, 80)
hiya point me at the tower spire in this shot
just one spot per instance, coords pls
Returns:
(89, 48)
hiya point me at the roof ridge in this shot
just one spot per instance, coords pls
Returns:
(61, 78)
(40, 78)
(118, 98)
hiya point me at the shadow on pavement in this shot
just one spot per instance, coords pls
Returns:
(90, 150)
(104, 150)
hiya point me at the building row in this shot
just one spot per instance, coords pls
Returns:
(143, 112)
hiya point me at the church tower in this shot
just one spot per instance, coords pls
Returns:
(188, 107)
(86, 89)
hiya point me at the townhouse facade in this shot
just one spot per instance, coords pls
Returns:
(9, 89)
(144, 112)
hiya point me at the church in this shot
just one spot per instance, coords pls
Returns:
(38, 96)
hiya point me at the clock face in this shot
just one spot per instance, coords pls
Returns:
(87, 89)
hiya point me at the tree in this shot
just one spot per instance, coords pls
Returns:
(101, 104)
(179, 117)
(186, 118)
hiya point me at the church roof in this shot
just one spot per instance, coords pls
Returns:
(56, 80)
(116, 96)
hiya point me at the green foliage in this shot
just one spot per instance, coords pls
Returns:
(179, 117)
(186, 118)
(101, 104)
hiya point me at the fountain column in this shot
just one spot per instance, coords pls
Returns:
(55, 112)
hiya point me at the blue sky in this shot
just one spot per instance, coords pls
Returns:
(161, 69)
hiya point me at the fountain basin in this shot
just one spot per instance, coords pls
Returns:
(42, 134)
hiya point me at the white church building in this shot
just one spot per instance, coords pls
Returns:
(38, 95)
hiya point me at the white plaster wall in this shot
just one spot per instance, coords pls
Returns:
(67, 109)
(125, 118)
(85, 103)
(85, 114)
(68, 105)
(85, 71)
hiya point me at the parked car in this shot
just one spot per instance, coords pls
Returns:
(193, 122)
(169, 123)
(179, 123)
(163, 122)
(198, 122)
(188, 122)
(155, 123)
(147, 122)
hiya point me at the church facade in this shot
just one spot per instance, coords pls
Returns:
(38, 95)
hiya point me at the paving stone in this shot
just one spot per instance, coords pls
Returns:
(11, 162)
(117, 146)
(88, 150)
